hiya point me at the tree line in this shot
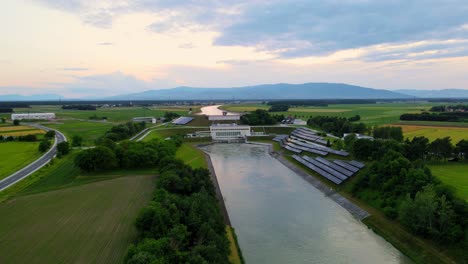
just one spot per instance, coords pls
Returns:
(398, 183)
(260, 117)
(449, 108)
(123, 131)
(439, 117)
(85, 107)
(338, 126)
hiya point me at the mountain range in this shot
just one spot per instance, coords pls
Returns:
(264, 92)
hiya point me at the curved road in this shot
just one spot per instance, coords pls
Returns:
(37, 164)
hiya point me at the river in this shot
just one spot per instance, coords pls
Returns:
(213, 110)
(280, 218)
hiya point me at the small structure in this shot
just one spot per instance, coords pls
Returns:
(151, 120)
(229, 132)
(33, 116)
(358, 136)
(183, 120)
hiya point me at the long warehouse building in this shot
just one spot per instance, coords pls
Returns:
(33, 116)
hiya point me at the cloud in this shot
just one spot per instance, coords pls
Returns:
(310, 28)
(105, 44)
(75, 69)
(187, 46)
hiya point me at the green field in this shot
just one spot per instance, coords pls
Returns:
(372, 114)
(113, 114)
(89, 131)
(191, 156)
(91, 223)
(454, 174)
(15, 155)
(434, 132)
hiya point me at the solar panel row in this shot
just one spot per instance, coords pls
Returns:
(308, 130)
(335, 167)
(357, 164)
(312, 145)
(326, 168)
(317, 170)
(295, 150)
(315, 151)
(346, 165)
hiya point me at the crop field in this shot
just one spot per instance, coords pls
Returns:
(372, 114)
(15, 155)
(191, 156)
(9, 130)
(453, 174)
(89, 131)
(434, 132)
(113, 114)
(90, 223)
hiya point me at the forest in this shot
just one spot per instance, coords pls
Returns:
(260, 117)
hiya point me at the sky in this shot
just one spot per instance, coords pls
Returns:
(88, 48)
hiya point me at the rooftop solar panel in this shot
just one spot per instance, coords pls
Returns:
(346, 165)
(318, 170)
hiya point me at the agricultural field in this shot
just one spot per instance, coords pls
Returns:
(453, 174)
(7, 130)
(113, 114)
(434, 132)
(371, 114)
(91, 223)
(89, 131)
(15, 155)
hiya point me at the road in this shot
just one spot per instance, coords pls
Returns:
(37, 164)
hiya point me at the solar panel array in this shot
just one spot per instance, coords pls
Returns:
(295, 150)
(183, 120)
(278, 138)
(312, 145)
(334, 171)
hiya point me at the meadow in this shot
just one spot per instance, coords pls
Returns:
(91, 223)
(89, 131)
(191, 156)
(454, 174)
(15, 155)
(434, 132)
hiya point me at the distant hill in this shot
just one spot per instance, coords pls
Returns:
(445, 93)
(36, 97)
(269, 91)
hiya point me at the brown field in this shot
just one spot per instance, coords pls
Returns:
(22, 133)
(16, 128)
(434, 132)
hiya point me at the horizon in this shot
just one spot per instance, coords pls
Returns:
(82, 49)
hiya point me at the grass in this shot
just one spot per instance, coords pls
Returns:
(191, 156)
(89, 131)
(162, 133)
(454, 174)
(434, 132)
(236, 255)
(91, 223)
(16, 155)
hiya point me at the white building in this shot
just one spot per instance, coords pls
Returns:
(33, 116)
(224, 117)
(145, 119)
(227, 132)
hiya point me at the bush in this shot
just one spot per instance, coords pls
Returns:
(44, 145)
(77, 141)
(16, 122)
(63, 148)
(50, 134)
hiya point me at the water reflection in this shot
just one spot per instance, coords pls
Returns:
(280, 218)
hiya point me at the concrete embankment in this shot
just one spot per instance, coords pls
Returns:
(219, 195)
(355, 210)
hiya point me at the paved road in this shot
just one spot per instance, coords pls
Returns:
(37, 164)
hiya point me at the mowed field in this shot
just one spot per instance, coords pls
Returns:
(15, 155)
(91, 223)
(89, 131)
(454, 174)
(434, 132)
(372, 114)
(191, 156)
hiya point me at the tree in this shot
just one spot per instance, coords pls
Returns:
(63, 148)
(349, 141)
(3, 120)
(16, 122)
(98, 158)
(50, 134)
(77, 141)
(462, 148)
(44, 145)
(417, 148)
(441, 148)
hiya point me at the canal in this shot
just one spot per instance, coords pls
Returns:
(280, 218)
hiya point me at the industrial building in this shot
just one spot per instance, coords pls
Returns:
(151, 120)
(33, 116)
(229, 132)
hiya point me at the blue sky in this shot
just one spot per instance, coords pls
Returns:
(96, 48)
